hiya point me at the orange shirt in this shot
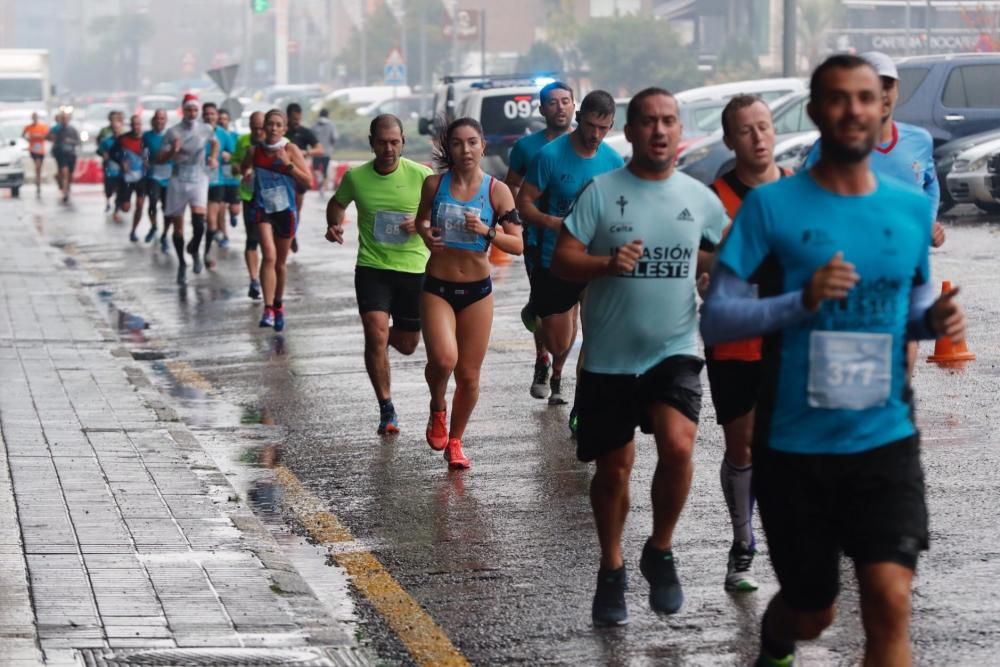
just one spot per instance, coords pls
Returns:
(35, 134)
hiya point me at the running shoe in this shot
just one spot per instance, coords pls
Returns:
(388, 423)
(198, 264)
(767, 661)
(660, 570)
(224, 243)
(151, 235)
(555, 385)
(609, 599)
(540, 383)
(454, 456)
(233, 221)
(219, 236)
(164, 244)
(528, 318)
(437, 430)
(254, 291)
(181, 275)
(268, 318)
(279, 318)
(738, 579)
(133, 237)
(574, 422)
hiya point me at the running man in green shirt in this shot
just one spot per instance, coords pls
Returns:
(391, 255)
(250, 254)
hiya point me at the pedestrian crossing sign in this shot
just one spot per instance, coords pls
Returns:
(394, 73)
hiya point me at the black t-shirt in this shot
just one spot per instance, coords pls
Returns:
(302, 137)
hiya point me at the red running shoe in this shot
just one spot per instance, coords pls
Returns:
(437, 430)
(454, 456)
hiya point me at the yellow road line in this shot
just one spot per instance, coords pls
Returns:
(423, 638)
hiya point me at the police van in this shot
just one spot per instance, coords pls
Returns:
(506, 107)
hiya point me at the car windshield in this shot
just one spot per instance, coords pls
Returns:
(701, 119)
(20, 90)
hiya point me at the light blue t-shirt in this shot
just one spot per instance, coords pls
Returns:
(560, 174)
(635, 321)
(908, 157)
(227, 143)
(152, 142)
(521, 155)
(834, 383)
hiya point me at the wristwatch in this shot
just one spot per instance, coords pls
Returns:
(492, 234)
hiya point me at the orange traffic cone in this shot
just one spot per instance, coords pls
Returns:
(498, 257)
(944, 350)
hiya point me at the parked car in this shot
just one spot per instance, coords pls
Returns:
(951, 96)
(970, 182)
(404, 107)
(11, 162)
(707, 158)
(944, 157)
(994, 168)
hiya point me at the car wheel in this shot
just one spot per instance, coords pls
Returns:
(988, 207)
(15, 192)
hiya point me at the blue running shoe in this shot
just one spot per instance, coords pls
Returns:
(660, 570)
(254, 291)
(150, 235)
(609, 607)
(164, 245)
(388, 423)
(279, 318)
(268, 319)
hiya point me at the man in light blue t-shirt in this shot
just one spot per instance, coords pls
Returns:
(556, 107)
(555, 178)
(639, 237)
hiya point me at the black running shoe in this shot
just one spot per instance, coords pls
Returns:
(609, 599)
(660, 570)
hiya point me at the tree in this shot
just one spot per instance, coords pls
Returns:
(540, 57)
(814, 19)
(383, 34)
(117, 40)
(628, 53)
(737, 61)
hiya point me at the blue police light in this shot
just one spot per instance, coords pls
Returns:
(543, 81)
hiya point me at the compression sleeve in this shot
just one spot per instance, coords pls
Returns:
(731, 311)
(921, 300)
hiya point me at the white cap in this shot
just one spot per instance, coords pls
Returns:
(882, 63)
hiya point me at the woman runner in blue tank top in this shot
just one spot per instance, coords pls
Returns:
(462, 212)
(277, 166)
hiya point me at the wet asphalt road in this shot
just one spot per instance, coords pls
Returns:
(503, 557)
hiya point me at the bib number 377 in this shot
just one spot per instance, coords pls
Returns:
(849, 371)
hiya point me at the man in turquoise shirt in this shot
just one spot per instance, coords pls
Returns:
(640, 236)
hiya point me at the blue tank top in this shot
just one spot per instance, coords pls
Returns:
(273, 189)
(448, 214)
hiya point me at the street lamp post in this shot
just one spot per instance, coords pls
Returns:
(788, 65)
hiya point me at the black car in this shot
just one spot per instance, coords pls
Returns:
(951, 96)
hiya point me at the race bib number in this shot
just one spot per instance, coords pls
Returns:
(388, 227)
(37, 147)
(451, 220)
(275, 199)
(161, 171)
(849, 371)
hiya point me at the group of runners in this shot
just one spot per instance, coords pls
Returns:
(815, 287)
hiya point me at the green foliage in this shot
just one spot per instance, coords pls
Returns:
(737, 61)
(629, 53)
(383, 33)
(814, 19)
(541, 57)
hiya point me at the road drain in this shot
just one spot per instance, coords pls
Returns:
(222, 657)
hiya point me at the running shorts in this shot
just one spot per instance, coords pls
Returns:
(392, 292)
(735, 387)
(321, 163)
(216, 193)
(283, 223)
(125, 191)
(182, 194)
(154, 192)
(609, 407)
(868, 505)
(551, 295)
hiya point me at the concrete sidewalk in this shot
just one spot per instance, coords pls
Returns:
(120, 540)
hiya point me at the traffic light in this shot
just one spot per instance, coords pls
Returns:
(259, 6)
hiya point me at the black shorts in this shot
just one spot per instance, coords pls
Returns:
(609, 407)
(155, 193)
(124, 191)
(459, 295)
(735, 387)
(551, 295)
(869, 505)
(111, 185)
(66, 161)
(321, 163)
(250, 225)
(37, 158)
(392, 292)
(283, 223)
(228, 194)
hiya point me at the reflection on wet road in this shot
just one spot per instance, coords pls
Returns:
(503, 557)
